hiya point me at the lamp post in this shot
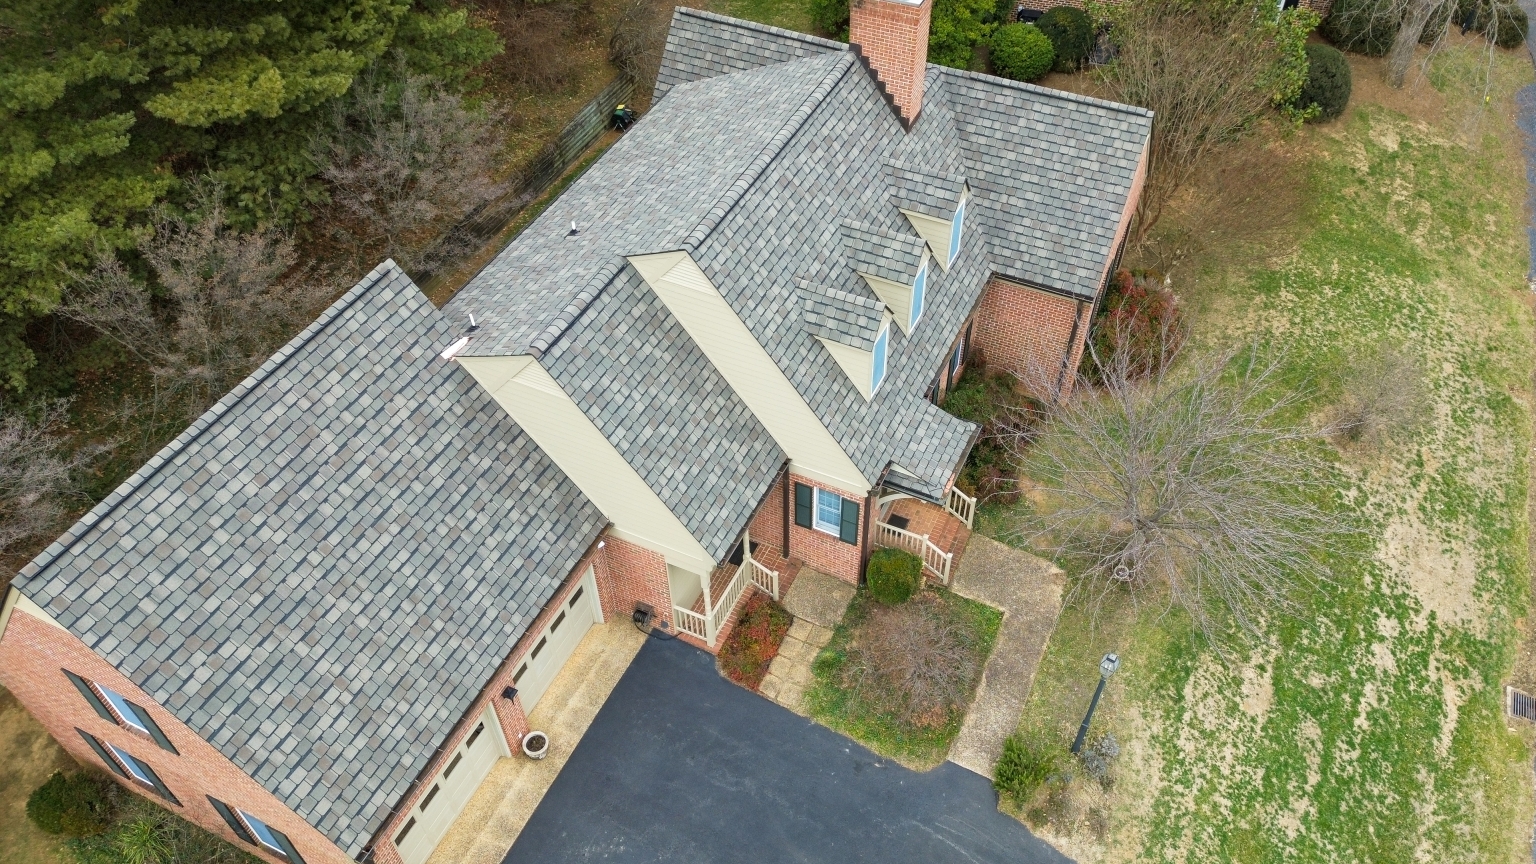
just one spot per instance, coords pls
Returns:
(1107, 667)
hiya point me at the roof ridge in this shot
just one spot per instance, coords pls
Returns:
(763, 28)
(775, 145)
(1063, 95)
(83, 526)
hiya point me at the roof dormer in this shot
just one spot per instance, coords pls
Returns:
(855, 330)
(894, 265)
(935, 205)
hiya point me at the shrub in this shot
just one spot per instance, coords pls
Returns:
(754, 641)
(1140, 315)
(1022, 52)
(830, 17)
(1328, 82)
(918, 661)
(1362, 26)
(894, 575)
(1098, 757)
(75, 805)
(1028, 760)
(1384, 397)
(1071, 33)
(1503, 22)
(957, 28)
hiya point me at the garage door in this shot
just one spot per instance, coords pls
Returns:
(554, 646)
(451, 789)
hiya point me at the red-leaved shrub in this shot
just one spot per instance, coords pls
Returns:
(754, 641)
(1140, 315)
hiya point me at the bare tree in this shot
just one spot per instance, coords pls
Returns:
(221, 307)
(34, 473)
(1384, 395)
(1207, 69)
(639, 36)
(1193, 484)
(406, 160)
(1414, 15)
(913, 660)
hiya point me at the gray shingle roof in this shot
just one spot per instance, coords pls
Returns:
(882, 253)
(1053, 171)
(705, 45)
(841, 316)
(321, 573)
(924, 191)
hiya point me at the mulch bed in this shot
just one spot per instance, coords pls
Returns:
(754, 641)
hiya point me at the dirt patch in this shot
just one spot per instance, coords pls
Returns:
(1441, 573)
(28, 754)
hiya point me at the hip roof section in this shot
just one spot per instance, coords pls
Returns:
(319, 575)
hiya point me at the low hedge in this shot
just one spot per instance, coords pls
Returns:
(74, 805)
(893, 575)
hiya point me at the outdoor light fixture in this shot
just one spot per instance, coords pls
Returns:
(509, 694)
(1107, 667)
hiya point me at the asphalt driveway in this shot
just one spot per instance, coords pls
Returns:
(683, 766)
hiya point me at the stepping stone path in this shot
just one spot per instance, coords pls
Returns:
(817, 602)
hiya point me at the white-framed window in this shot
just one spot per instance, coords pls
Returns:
(136, 769)
(829, 512)
(882, 345)
(124, 711)
(263, 834)
(955, 231)
(919, 290)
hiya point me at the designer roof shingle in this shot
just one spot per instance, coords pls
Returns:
(841, 316)
(705, 45)
(925, 192)
(879, 252)
(340, 551)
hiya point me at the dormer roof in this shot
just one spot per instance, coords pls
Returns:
(840, 316)
(930, 193)
(881, 252)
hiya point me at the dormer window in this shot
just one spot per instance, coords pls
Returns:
(955, 229)
(882, 346)
(919, 293)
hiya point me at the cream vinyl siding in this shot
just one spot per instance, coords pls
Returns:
(725, 340)
(896, 296)
(14, 600)
(935, 232)
(859, 365)
(538, 404)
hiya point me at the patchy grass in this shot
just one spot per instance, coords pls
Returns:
(789, 14)
(28, 756)
(754, 641)
(837, 707)
(1368, 727)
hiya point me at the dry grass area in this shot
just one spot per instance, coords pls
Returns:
(27, 756)
(1369, 727)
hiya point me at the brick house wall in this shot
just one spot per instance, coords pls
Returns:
(822, 551)
(767, 525)
(32, 654)
(893, 37)
(628, 573)
(1029, 332)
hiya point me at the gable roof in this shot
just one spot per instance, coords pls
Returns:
(705, 45)
(341, 550)
(843, 317)
(926, 192)
(882, 253)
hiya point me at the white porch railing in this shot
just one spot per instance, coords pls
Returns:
(691, 622)
(961, 505)
(762, 577)
(935, 560)
(719, 614)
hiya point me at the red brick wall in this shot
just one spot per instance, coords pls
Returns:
(894, 38)
(767, 525)
(822, 551)
(628, 573)
(31, 656)
(1026, 331)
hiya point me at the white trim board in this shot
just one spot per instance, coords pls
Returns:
(537, 402)
(720, 333)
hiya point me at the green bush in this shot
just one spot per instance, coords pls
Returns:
(1022, 52)
(1504, 22)
(1361, 26)
(894, 575)
(830, 17)
(1071, 33)
(956, 28)
(75, 805)
(1027, 762)
(1328, 81)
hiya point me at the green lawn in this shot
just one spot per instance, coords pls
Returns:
(1369, 727)
(915, 746)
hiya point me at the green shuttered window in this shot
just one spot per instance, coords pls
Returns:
(848, 531)
(803, 505)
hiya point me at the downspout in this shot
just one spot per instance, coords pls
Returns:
(1066, 360)
(787, 509)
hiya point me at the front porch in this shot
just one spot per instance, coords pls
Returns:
(707, 615)
(936, 534)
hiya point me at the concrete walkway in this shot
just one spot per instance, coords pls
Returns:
(495, 816)
(818, 602)
(1028, 590)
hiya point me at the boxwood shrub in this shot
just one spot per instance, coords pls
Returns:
(1361, 26)
(893, 575)
(1022, 52)
(1328, 81)
(1071, 33)
(74, 805)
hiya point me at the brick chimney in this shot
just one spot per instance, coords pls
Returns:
(891, 38)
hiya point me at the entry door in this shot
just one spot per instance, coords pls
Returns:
(543, 662)
(451, 789)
